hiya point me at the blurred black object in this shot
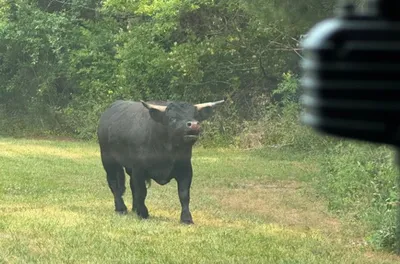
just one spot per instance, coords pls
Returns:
(351, 75)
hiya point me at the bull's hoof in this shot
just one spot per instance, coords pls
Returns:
(124, 212)
(186, 218)
(143, 214)
(120, 207)
(143, 217)
(187, 222)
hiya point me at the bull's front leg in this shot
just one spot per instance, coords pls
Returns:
(184, 178)
(139, 192)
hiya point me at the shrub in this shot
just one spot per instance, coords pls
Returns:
(359, 180)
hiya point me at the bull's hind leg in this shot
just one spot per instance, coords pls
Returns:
(139, 192)
(116, 182)
(132, 185)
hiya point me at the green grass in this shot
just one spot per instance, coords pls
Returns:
(247, 206)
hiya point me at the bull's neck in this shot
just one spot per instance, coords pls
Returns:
(175, 148)
(179, 151)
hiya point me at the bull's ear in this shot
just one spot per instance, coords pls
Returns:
(205, 110)
(157, 115)
(157, 112)
(204, 113)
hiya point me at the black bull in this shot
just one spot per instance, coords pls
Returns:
(152, 141)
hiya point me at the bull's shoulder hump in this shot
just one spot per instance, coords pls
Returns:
(156, 102)
(136, 103)
(124, 103)
(121, 105)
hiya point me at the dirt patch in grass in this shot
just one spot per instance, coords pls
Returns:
(379, 256)
(278, 202)
(305, 166)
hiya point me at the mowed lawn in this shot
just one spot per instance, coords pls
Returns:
(55, 207)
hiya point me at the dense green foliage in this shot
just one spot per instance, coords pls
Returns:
(63, 61)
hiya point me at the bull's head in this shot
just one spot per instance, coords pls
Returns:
(182, 119)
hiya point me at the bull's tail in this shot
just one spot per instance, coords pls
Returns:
(148, 181)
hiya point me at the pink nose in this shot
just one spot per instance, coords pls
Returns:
(194, 125)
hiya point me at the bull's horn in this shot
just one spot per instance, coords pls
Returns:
(154, 106)
(210, 104)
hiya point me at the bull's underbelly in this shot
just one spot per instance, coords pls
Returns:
(156, 167)
(161, 174)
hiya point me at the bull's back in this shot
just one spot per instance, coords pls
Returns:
(126, 131)
(124, 123)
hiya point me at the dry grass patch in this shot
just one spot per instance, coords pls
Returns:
(379, 256)
(279, 202)
(200, 217)
(277, 165)
(49, 214)
(8, 149)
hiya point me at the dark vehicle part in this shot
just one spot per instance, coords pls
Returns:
(351, 75)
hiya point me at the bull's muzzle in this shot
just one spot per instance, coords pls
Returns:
(193, 131)
(193, 125)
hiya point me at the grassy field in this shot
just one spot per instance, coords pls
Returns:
(248, 207)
